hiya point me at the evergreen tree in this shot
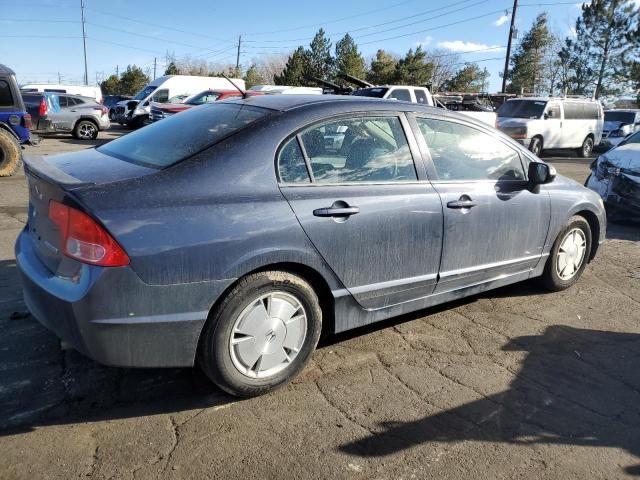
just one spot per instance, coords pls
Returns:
(320, 61)
(528, 61)
(253, 77)
(468, 79)
(348, 59)
(295, 71)
(577, 74)
(172, 69)
(132, 80)
(413, 69)
(383, 68)
(111, 86)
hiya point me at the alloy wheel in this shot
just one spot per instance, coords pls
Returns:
(87, 131)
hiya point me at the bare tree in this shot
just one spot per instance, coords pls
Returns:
(445, 66)
(270, 65)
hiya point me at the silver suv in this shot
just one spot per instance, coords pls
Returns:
(82, 116)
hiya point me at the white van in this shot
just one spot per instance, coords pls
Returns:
(553, 123)
(285, 90)
(83, 90)
(135, 112)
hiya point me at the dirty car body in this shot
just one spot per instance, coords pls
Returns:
(195, 217)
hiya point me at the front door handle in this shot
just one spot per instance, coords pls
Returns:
(464, 202)
(336, 211)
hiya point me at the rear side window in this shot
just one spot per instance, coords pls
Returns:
(6, 99)
(421, 96)
(400, 94)
(291, 165)
(463, 153)
(359, 149)
(178, 137)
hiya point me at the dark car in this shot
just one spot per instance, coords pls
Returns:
(15, 123)
(229, 236)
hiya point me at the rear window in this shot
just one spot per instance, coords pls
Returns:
(623, 117)
(176, 138)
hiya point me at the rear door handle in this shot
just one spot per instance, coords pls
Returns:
(462, 203)
(336, 211)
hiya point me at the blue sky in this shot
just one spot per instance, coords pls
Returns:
(43, 38)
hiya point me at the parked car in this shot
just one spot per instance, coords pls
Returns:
(110, 101)
(615, 175)
(229, 236)
(40, 106)
(81, 116)
(15, 123)
(135, 112)
(553, 123)
(160, 111)
(420, 95)
(619, 124)
(84, 90)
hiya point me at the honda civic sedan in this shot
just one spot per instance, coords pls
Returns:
(233, 235)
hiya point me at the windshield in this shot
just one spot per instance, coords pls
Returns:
(377, 92)
(622, 117)
(144, 93)
(204, 97)
(176, 138)
(522, 109)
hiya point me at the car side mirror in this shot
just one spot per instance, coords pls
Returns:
(546, 116)
(540, 173)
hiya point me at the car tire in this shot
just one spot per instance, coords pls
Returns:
(569, 255)
(10, 154)
(262, 334)
(586, 149)
(85, 130)
(535, 146)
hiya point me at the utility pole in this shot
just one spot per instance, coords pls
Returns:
(59, 79)
(117, 71)
(84, 44)
(238, 56)
(506, 60)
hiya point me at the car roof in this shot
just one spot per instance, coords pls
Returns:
(4, 70)
(290, 102)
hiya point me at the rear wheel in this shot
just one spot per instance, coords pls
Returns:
(85, 130)
(262, 334)
(535, 146)
(10, 154)
(569, 255)
(587, 147)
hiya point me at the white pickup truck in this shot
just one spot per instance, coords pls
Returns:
(422, 95)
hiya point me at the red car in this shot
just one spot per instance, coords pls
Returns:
(163, 110)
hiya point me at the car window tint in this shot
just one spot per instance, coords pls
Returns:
(291, 165)
(64, 101)
(421, 95)
(178, 137)
(464, 153)
(401, 94)
(359, 149)
(6, 99)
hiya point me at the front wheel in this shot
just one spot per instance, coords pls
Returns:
(569, 255)
(262, 334)
(587, 147)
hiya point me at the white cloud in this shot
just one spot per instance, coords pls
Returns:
(501, 21)
(425, 43)
(460, 46)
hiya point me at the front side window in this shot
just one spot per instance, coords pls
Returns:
(161, 96)
(359, 149)
(461, 153)
(400, 94)
(178, 137)
(553, 111)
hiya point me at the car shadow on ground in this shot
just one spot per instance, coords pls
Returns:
(623, 230)
(575, 387)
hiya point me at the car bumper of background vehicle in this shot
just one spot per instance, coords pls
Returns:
(113, 317)
(608, 143)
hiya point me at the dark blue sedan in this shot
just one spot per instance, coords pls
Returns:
(236, 233)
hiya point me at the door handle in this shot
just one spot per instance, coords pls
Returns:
(463, 202)
(336, 211)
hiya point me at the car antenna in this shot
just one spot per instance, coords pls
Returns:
(242, 92)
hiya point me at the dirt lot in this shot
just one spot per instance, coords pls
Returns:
(516, 383)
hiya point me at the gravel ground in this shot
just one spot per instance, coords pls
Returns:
(515, 383)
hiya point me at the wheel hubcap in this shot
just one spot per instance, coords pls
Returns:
(571, 254)
(268, 335)
(87, 131)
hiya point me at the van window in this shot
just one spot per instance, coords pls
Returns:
(421, 96)
(55, 90)
(400, 94)
(522, 108)
(178, 137)
(553, 111)
(6, 99)
(161, 96)
(580, 111)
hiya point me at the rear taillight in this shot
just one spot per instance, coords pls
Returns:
(83, 239)
(26, 118)
(43, 108)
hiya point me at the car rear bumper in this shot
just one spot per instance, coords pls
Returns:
(113, 317)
